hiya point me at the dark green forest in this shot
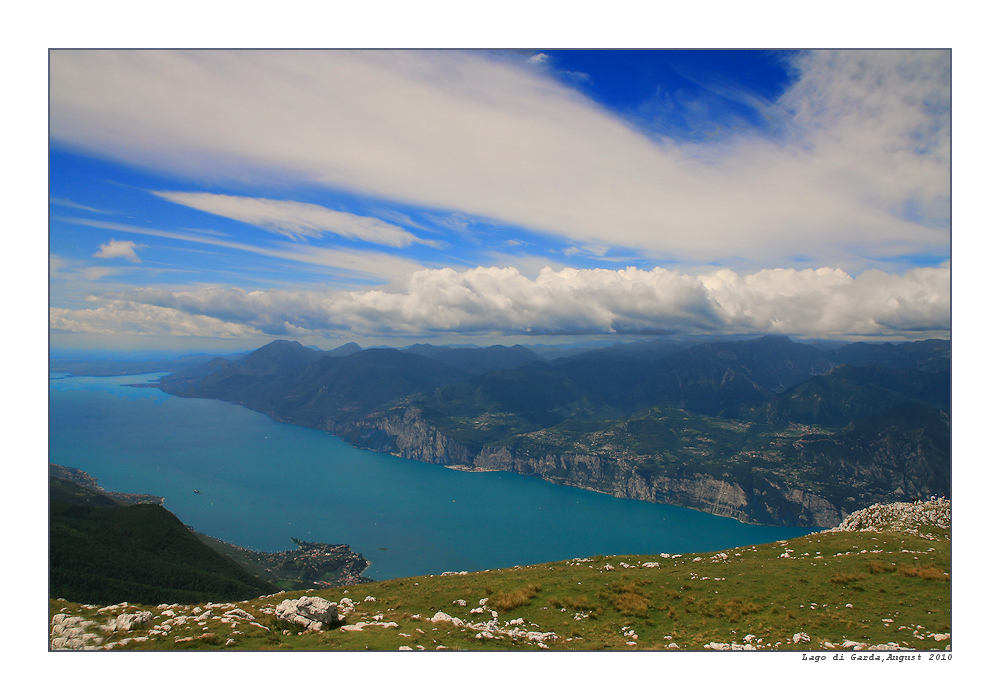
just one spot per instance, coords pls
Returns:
(107, 553)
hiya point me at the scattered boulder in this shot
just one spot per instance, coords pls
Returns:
(312, 612)
(735, 646)
(238, 612)
(360, 626)
(126, 622)
(445, 617)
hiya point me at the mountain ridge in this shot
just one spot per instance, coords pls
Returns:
(711, 426)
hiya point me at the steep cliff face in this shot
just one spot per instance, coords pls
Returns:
(403, 433)
(407, 434)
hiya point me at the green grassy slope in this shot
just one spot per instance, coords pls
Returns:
(887, 587)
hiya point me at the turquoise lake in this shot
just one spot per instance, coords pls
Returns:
(262, 483)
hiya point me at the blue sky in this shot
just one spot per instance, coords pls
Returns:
(220, 199)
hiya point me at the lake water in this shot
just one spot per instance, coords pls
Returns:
(263, 482)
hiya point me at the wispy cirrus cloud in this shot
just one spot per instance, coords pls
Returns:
(855, 169)
(373, 265)
(64, 202)
(296, 220)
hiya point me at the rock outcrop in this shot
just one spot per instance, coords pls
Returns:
(910, 518)
(72, 632)
(312, 612)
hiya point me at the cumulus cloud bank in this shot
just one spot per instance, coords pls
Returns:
(123, 317)
(820, 302)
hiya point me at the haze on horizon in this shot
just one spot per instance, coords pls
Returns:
(223, 199)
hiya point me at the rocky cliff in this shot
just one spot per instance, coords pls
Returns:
(405, 433)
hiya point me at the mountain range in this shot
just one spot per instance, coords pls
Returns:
(766, 430)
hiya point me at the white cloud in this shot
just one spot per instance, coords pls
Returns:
(297, 220)
(122, 317)
(96, 272)
(118, 249)
(487, 301)
(56, 264)
(595, 250)
(370, 264)
(859, 149)
(64, 202)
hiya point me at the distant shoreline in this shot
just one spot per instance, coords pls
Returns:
(468, 468)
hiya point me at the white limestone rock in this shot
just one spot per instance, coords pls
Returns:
(312, 612)
(238, 612)
(443, 617)
(126, 622)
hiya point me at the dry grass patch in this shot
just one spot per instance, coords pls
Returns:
(878, 567)
(634, 604)
(504, 601)
(628, 598)
(928, 573)
(736, 609)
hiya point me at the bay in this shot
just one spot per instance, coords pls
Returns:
(239, 476)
